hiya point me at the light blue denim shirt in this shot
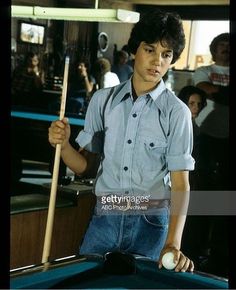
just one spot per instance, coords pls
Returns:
(140, 142)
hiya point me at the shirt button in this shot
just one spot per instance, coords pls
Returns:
(129, 141)
(134, 115)
(151, 144)
(125, 168)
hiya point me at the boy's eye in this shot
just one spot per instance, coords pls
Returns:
(167, 55)
(148, 50)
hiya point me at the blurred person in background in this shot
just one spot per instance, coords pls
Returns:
(80, 87)
(214, 118)
(27, 82)
(120, 66)
(195, 99)
(103, 75)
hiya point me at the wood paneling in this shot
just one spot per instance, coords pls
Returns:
(28, 230)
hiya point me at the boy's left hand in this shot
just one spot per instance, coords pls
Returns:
(183, 262)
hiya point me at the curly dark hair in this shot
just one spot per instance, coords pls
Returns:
(216, 41)
(155, 26)
(187, 91)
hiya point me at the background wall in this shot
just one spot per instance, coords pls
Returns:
(118, 33)
(79, 38)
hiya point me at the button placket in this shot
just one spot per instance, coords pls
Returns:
(129, 142)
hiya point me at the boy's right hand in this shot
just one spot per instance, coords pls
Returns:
(59, 133)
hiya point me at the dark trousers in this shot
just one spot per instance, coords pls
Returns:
(213, 163)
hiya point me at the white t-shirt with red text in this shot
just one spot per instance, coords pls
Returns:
(214, 118)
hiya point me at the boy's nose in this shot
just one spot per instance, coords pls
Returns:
(157, 59)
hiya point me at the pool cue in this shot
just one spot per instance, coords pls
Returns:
(52, 201)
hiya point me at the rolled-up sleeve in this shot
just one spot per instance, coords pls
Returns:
(181, 162)
(92, 143)
(91, 137)
(180, 141)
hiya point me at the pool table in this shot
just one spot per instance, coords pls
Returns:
(44, 117)
(29, 138)
(88, 273)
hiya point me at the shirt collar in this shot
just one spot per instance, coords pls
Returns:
(157, 91)
(158, 98)
(124, 90)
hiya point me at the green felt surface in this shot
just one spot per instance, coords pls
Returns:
(89, 275)
(33, 202)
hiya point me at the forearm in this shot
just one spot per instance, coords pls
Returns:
(176, 225)
(179, 206)
(217, 93)
(208, 88)
(88, 84)
(74, 159)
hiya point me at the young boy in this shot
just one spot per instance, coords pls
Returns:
(143, 134)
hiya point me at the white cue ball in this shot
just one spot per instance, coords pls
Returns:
(168, 261)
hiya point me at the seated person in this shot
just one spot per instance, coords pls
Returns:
(195, 99)
(103, 75)
(27, 82)
(120, 66)
(80, 86)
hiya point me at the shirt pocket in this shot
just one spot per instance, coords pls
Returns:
(151, 153)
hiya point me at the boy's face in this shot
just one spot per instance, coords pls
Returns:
(151, 62)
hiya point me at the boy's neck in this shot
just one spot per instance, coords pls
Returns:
(134, 95)
(139, 89)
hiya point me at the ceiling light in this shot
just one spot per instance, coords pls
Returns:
(76, 14)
